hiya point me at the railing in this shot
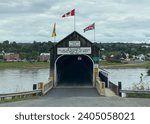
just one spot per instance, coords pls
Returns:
(100, 86)
(104, 77)
(19, 94)
(42, 89)
(136, 93)
(113, 87)
(45, 87)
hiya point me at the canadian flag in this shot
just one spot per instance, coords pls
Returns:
(71, 13)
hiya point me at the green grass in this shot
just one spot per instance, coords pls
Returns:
(18, 99)
(106, 64)
(138, 95)
(103, 64)
(22, 65)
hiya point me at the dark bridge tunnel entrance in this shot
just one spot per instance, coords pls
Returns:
(74, 70)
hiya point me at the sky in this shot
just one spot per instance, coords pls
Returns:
(115, 20)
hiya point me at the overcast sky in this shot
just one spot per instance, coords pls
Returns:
(116, 20)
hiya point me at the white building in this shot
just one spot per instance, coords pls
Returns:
(44, 57)
(141, 57)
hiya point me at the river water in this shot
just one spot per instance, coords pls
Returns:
(129, 77)
(17, 80)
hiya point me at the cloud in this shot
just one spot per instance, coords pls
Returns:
(146, 34)
(24, 6)
(121, 20)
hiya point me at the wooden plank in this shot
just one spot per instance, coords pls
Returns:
(109, 92)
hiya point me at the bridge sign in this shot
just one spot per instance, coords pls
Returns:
(73, 51)
(74, 43)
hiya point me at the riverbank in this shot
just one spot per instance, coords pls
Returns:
(113, 65)
(103, 64)
(23, 65)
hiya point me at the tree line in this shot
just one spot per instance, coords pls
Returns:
(32, 50)
(26, 50)
(120, 49)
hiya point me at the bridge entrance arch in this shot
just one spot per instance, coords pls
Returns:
(74, 70)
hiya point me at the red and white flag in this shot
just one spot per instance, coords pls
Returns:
(90, 27)
(71, 13)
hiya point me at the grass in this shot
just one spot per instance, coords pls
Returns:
(138, 95)
(22, 65)
(103, 64)
(18, 99)
(106, 64)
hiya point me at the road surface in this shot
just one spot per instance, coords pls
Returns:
(78, 97)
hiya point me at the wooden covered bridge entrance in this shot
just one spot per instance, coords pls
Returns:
(74, 61)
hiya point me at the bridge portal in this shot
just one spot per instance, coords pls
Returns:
(74, 70)
(74, 61)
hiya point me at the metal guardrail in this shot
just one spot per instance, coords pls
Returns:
(135, 91)
(42, 89)
(19, 94)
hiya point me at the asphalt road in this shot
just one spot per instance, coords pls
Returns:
(79, 97)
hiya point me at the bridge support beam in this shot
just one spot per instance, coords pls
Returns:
(100, 86)
(95, 74)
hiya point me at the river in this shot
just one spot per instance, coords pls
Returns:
(17, 80)
(128, 77)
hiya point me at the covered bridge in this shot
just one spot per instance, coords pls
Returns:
(74, 61)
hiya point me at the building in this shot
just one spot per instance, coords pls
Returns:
(141, 57)
(44, 57)
(11, 57)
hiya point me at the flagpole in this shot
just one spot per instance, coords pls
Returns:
(54, 39)
(94, 32)
(74, 21)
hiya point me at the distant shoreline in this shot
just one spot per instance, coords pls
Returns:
(114, 65)
(23, 65)
(40, 65)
